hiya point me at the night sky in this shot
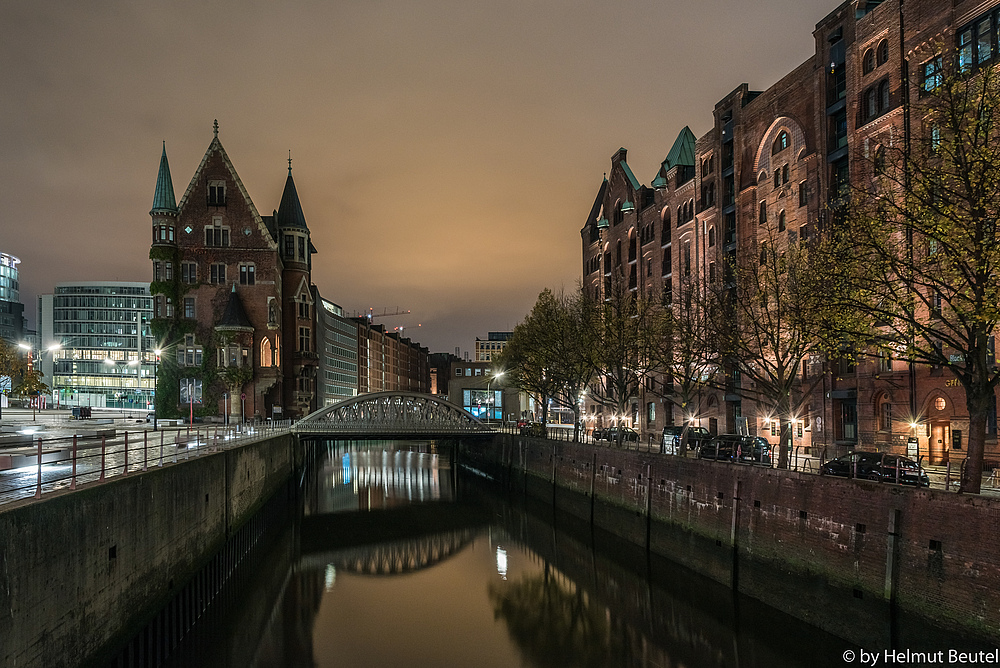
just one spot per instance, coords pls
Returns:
(446, 153)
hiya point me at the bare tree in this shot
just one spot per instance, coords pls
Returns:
(765, 317)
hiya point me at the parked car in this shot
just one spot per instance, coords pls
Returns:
(536, 429)
(611, 434)
(696, 436)
(737, 448)
(878, 466)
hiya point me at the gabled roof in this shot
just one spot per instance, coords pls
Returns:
(235, 316)
(163, 197)
(682, 152)
(216, 147)
(290, 210)
(598, 203)
(628, 170)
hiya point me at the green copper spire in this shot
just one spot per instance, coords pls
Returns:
(163, 198)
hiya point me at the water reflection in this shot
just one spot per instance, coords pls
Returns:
(366, 475)
(369, 576)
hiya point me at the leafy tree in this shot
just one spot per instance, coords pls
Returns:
(547, 355)
(630, 334)
(12, 363)
(765, 318)
(919, 248)
(31, 385)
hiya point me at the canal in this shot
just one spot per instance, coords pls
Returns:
(387, 557)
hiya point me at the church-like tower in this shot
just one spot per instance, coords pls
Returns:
(298, 301)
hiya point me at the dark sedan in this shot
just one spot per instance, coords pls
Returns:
(737, 448)
(881, 467)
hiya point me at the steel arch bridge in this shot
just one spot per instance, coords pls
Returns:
(391, 414)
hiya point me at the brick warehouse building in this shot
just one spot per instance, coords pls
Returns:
(780, 159)
(235, 309)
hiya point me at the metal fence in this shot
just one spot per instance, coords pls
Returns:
(64, 462)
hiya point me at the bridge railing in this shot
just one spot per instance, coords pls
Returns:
(51, 464)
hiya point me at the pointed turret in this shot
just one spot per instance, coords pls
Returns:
(234, 318)
(163, 198)
(290, 210)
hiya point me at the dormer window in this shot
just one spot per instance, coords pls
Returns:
(216, 193)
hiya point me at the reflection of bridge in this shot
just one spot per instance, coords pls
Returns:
(386, 542)
(396, 557)
(391, 414)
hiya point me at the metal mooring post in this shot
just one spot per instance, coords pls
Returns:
(734, 534)
(72, 483)
(891, 555)
(38, 487)
(103, 453)
(125, 469)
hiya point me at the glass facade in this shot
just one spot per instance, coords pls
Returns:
(105, 349)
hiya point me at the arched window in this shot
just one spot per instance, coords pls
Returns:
(619, 214)
(883, 96)
(711, 237)
(878, 162)
(780, 142)
(871, 103)
(763, 213)
(763, 254)
(680, 215)
(266, 358)
(884, 413)
(882, 55)
(868, 61)
(781, 221)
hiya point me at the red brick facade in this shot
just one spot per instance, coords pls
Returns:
(786, 153)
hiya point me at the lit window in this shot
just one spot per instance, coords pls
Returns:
(780, 143)
(933, 75)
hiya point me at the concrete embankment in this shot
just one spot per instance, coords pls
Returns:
(841, 554)
(81, 571)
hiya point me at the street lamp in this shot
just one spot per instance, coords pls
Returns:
(489, 397)
(156, 364)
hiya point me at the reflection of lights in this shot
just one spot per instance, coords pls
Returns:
(502, 562)
(28, 431)
(345, 463)
(330, 577)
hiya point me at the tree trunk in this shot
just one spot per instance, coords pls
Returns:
(972, 473)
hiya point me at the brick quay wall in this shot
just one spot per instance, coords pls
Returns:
(803, 543)
(81, 572)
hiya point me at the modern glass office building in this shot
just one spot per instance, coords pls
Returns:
(11, 308)
(95, 345)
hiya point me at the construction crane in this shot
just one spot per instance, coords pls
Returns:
(371, 315)
(401, 328)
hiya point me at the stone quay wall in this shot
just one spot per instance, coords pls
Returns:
(81, 571)
(780, 536)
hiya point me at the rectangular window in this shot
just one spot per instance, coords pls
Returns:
(190, 390)
(777, 178)
(304, 310)
(247, 274)
(218, 274)
(289, 246)
(302, 248)
(458, 371)
(965, 50)
(304, 339)
(157, 273)
(169, 308)
(189, 307)
(885, 362)
(984, 41)
(687, 259)
(168, 271)
(216, 237)
(217, 193)
(933, 75)
(651, 412)
(189, 272)
(803, 194)
(784, 174)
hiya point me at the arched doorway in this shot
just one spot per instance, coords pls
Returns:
(938, 430)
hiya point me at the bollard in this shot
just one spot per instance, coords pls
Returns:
(72, 483)
(38, 488)
(947, 478)
(103, 451)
